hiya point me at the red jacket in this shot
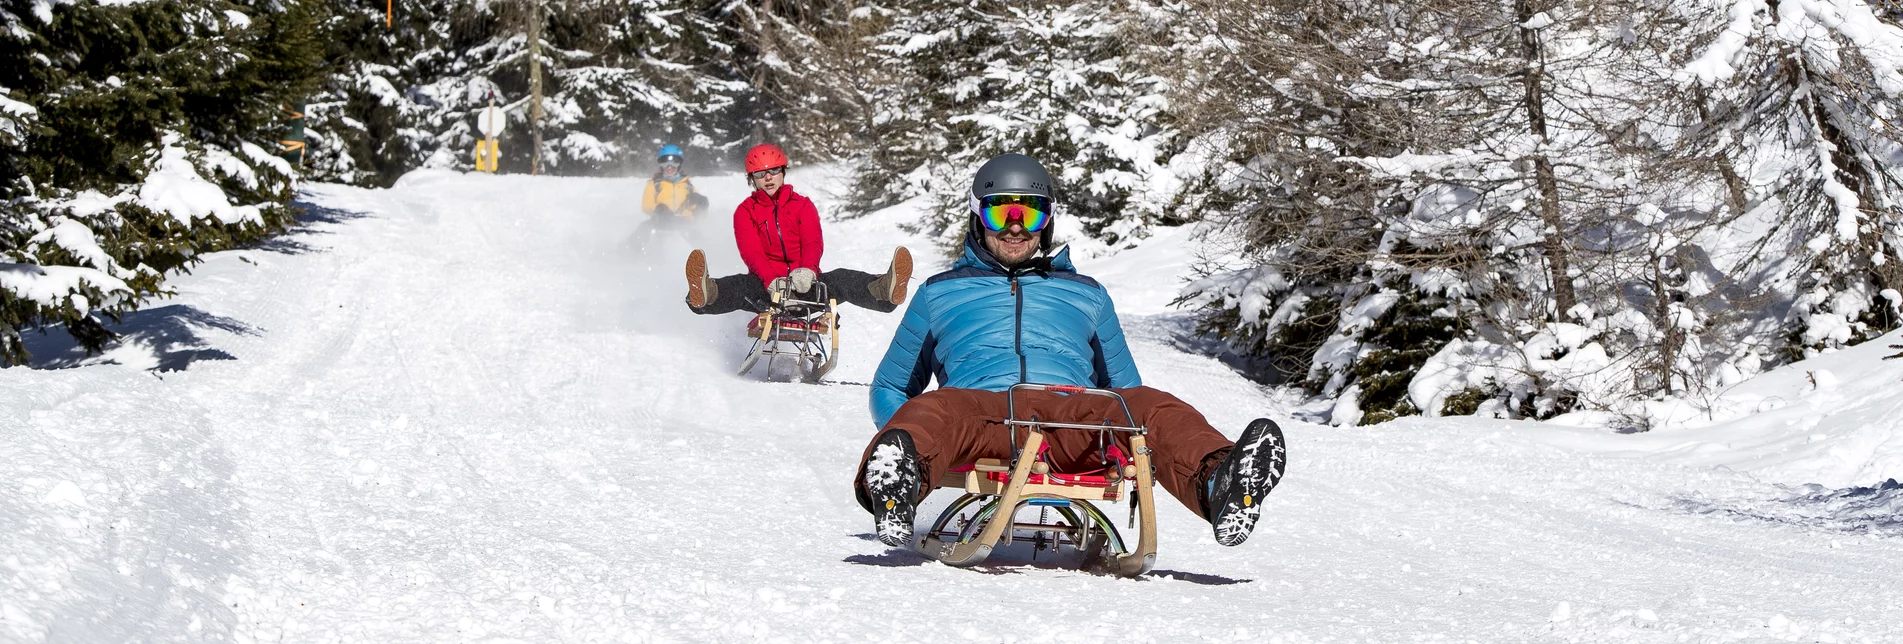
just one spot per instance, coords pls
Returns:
(778, 233)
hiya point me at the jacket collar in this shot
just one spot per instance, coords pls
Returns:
(976, 256)
(784, 195)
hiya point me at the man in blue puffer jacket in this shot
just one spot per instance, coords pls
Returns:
(1009, 312)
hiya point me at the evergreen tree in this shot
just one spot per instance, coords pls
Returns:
(1448, 148)
(1802, 97)
(130, 144)
(1071, 84)
(620, 78)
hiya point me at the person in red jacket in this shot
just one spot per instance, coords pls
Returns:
(777, 230)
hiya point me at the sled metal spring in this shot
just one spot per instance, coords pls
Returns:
(1043, 517)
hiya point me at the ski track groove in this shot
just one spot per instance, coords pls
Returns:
(468, 416)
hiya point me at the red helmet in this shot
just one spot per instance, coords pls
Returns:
(765, 155)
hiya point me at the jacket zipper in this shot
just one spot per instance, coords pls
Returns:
(785, 257)
(1017, 340)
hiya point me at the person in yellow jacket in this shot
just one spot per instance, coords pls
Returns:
(670, 193)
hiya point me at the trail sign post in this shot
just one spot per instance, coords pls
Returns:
(489, 122)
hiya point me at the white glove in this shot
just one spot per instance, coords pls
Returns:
(778, 284)
(802, 279)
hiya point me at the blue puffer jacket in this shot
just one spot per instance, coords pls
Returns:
(982, 326)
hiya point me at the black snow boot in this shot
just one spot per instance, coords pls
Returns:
(1233, 493)
(893, 480)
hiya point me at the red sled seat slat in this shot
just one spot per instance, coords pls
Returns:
(1055, 478)
(789, 329)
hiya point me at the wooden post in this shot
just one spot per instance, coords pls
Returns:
(535, 86)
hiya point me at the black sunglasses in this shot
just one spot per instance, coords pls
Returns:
(761, 174)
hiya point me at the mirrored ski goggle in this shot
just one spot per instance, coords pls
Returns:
(673, 161)
(759, 174)
(998, 212)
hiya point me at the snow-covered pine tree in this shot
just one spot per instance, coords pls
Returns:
(1796, 104)
(1297, 229)
(1069, 83)
(817, 76)
(621, 77)
(1470, 166)
(133, 139)
(1542, 172)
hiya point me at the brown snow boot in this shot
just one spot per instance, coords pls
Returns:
(700, 290)
(890, 287)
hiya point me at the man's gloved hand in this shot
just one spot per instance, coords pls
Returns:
(802, 279)
(778, 284)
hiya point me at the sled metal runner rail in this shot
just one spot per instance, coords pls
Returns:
(970, 545)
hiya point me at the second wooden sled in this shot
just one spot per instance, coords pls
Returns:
(805, 331)
(1000, 490)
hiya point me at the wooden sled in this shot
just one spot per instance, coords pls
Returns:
(992, 486)
(804, 331)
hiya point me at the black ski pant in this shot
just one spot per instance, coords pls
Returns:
(744, 292)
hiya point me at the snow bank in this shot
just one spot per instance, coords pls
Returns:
(1835, 420)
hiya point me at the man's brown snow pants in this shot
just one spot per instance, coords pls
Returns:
(952, 427)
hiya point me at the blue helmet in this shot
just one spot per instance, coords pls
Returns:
(669, 150)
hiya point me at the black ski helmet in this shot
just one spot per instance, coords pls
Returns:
(1012, 174)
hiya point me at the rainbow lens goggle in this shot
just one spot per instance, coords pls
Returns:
(1033, 212)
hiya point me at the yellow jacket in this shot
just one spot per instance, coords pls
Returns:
(672, 194)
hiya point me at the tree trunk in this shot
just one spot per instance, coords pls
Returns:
(759, 71)
(1557, 265)
(1734, 185)
(1662, 312)
(535, 86)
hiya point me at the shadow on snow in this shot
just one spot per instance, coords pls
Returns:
(1008, 562)
(307, 214)
(1875, 510)
(171, 335)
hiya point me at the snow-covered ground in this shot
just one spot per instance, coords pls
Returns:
(463, 410)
